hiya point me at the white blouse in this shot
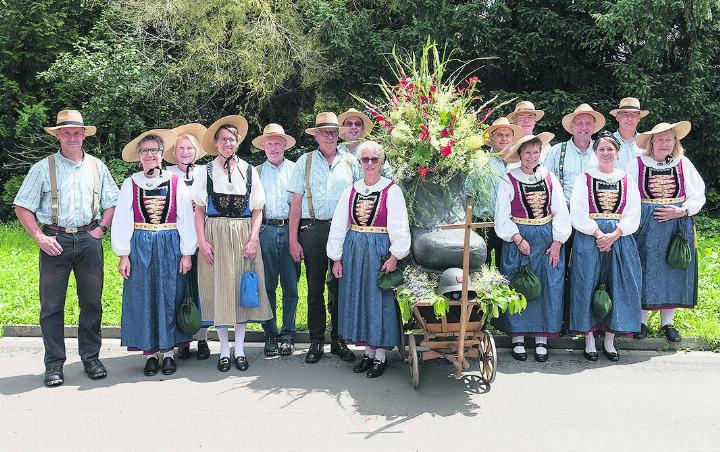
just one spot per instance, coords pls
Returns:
(580, 210)
(397, 219)
(182, 175)
(123, 222)
(506, 228)
(221, 184)
(694, 185)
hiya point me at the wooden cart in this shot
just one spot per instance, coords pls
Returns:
(459, 336)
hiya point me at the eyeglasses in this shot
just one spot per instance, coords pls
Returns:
(353, 123)
(369, 159)
(327, 133)
(144, 152)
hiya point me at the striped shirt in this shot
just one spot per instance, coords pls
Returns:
(275, 181)
(628, 151)
(576, 162)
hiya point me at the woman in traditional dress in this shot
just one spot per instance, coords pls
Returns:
(532, 218)
(671, 191)
(229, 199)
(153, 232)
(605, 212)
(183, 155)
(368, 235)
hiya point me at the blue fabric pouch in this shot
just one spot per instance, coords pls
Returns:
(248, 295)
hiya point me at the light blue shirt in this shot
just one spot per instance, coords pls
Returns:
(628, 151)
(327, 182)
(482, 187)
(276, 182)
(385, 171)
(576, 163)
(75, 191)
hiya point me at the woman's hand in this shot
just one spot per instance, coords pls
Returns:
(605, 242)
(206, 251)
(337, 269)
(666, 213)
(523, 246)
(124, 267)
(185, 264)
(390, 265)
(250, 249)
(554, 252)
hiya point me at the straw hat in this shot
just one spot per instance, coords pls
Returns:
(567, 120)
(274, 130)
(194, 129)
(525, 106)
(70, 118)
(503, 122)
(511, 155)
(367, 122)
(237, 121)
(326, 120)
(629, 104)
(681, 129)
(129, 152)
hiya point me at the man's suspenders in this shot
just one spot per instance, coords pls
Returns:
(54, 204)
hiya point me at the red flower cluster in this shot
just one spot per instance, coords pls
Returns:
(447, 150)
(423, 170)
(380, 119)
(424, 133)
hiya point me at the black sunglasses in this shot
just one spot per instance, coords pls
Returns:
(369, 159)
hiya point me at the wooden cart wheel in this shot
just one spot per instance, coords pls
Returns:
(413, 361)
(487, 362)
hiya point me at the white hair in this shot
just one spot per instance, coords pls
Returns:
(365, 145)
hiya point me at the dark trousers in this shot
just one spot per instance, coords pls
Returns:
(313, 239)
(83, 254)
(494, 244)
(277, 262)
(566, 301)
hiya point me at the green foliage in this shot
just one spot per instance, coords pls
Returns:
(11, 187)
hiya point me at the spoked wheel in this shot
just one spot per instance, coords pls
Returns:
(413, 362)
(488, 357)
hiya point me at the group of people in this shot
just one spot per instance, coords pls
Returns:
(207, 231)
(587, 215)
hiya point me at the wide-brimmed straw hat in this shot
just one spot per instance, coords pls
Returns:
(194, 129)
(681, 129)
(567, 120)
(525, 106)
(326, 120)
(511, 155)
(273, 130)
(237, 121)
(629, 104)
(503, 122)
(70, 118)
(129, 152)
(367, 122)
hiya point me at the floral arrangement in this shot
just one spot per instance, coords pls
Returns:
(493, 293)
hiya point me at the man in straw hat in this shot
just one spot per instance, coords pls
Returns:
(318, 182)
(66, 192)
(275, 174)
(525, 116)
(628, 115)
(359, 127)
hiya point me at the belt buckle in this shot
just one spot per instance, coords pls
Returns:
(72, 230)
(281, 223)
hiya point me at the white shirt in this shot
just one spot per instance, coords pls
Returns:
(182, 175)
(506, 228)
(123, 222)
(580, 210)
(221, 184)
(397, 219)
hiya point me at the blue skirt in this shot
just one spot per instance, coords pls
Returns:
(662, 285)
(367, 315)
(623, 280)
(542, 317)
(152, 292)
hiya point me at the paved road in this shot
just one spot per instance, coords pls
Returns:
(649, 401)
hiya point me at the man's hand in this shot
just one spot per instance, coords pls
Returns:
(97, 233)
(49, 244)
(296, 251)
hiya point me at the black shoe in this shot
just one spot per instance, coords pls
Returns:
(151, 366)
(286, 348)
(671, 333)
(590, 356)
(183, 353)
(168, 367)
(365, 363)
(271, 346)
(224, 365)
(314, 353)
(95, 369)
(519, 356)
(612, 356)
(377, 369)
(241, 363)
(643, 332)
(203, 351)
(541, 357)
(341, 349)
(54, 375)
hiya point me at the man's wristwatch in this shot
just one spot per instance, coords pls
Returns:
(103, 228)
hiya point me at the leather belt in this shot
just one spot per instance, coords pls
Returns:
(72, 229)
(309, 221)
(376, 229)
(282, 222)
(532, 221)
(155, 227)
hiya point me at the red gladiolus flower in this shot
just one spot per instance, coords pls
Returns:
(447, 150)
(424, 133)
(423, 170)
(472, 80)
(433, 88)
(447, 131)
